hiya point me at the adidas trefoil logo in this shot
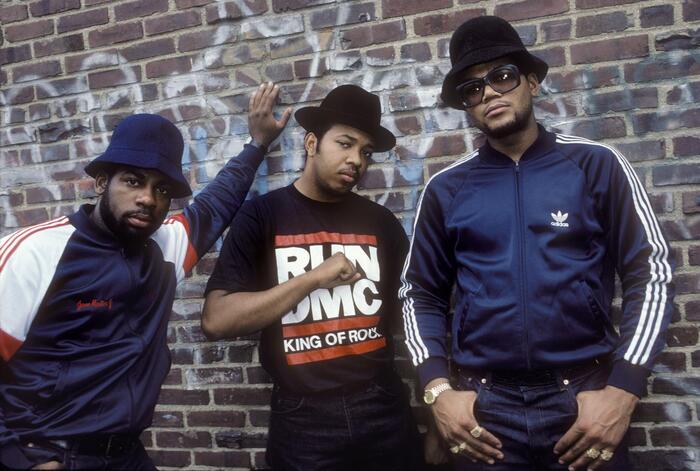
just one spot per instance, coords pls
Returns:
(559, 219)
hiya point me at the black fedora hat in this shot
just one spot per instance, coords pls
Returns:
(146, 141)
(483, 39)
(353, 106)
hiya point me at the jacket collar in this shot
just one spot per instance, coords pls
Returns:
(543, 145)
(83, 222)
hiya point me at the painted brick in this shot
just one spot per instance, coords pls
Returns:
(62, 87)
(56, 46)
(228, 11)
(163, 67)
(662, 68)
(342, 15)
(173, 22)
(687, 39)
(284, 5)
(530, 9)
(666, 121)
(624, 100)
(39, 70)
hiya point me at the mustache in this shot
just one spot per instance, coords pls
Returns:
(141, 213)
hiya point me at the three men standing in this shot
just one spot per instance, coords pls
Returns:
(531, 228)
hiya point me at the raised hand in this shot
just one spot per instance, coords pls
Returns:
(263, 126)
(335, 271)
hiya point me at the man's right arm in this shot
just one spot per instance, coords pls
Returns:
(234, 314)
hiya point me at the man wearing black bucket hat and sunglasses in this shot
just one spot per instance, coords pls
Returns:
(85, 299)
(531, 228)
(316, 267)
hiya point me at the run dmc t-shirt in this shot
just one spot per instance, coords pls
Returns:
(333, 337)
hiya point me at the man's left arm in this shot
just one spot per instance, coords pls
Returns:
(643, 261)
(186, 237)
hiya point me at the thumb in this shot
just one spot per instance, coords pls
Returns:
(285, 118)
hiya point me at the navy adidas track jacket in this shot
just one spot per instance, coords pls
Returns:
(83, 320)
(532, 249)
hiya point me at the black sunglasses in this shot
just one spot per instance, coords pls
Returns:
(502, 79)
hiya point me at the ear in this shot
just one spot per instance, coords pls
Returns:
(310, 143)
(533, 83)
(101, 183)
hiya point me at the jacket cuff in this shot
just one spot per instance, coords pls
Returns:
(433, 367)
(11, 457)
(251, 154)
(629, 377)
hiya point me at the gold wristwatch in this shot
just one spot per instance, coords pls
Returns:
(431, 395)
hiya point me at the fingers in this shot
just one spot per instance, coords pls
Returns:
(285, 118)
(570, 437)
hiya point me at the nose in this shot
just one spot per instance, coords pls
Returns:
(489, 93)
(146, 197)
(355, 157)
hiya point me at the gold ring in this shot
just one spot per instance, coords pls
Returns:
(592, 453)
(606, 455)
(476, 431)
(462, 446)
(454, 449)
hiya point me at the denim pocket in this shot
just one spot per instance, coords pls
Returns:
(283, 404)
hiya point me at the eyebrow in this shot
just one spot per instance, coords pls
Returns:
(354, 140)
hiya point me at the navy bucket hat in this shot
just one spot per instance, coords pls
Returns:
(483, 39)
(146, 141)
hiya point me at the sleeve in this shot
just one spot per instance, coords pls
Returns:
(28, 260)
(185, 238)
(426, 284)
(238, 266)
(643, 262)
(396, 244)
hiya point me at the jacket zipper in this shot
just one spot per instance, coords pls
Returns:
(521, 249)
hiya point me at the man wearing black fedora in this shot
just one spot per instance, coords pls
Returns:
(315, 267)
(528, 232)
(85, 299)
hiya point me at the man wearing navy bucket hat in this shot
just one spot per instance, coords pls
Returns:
(530, 230)
(316, 267)
(85, 299)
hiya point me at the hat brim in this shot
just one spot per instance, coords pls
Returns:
(312, 118)
(449, 85)
(146, 160)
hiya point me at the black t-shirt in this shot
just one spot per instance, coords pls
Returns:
(332, 337)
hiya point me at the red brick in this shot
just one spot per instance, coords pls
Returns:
(145, 49)
(691, 202)
(623, 100)
(167, 419)
(52, 193)
(691, 10)
(416, 52)
(227, 11)
(677, 174)
(687, 39)
(190, 439)
(530, 9)
(115, 34)
(310, 68)
(685, 146)
(139, 8)
(694, 259)
(345, 61)
(342, 15)
(553, 56)
(242, 396)
(112, 78)
(600, 24)
(203, 376)
(49, 7)
(91, 61)
(638, 151)
(218, 418)
(205, 38)
(60, 45)
(10, 55)
(658, 15)
(170, 459)
(380, 56)
(443, 23)
(84, 20)
(662, 412)
(30, 217)
(556, 30)
(284, 5)
(226, 459)
(297, 45)
(172, 66)
(24, 31)
(12, 13)
(176, 21)
(391, 8)
(362, 36)
(666, 120)
(684, 93)
(61, 130)
(279, 72)
(610, 49)
(600, 128)
(183, 397)
(24, 73)
(662, 68)
(587, 4)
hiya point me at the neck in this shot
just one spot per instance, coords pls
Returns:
(96, 218)
(307, 187)
(515, 145)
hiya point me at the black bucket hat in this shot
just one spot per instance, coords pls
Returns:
(483, 39)
(146, 141)
(353, 106)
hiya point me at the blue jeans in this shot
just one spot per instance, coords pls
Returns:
(529, 420)
(135, 460)
(371, 428)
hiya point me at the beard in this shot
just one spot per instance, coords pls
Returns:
(128, 235)
(519, 122)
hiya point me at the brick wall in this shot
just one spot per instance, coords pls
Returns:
(623, 72)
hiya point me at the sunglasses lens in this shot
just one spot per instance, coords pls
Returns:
(503, 79)
(472, 92)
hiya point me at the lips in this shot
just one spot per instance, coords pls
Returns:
(495, 109)
(349, 176)
(139, 220)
